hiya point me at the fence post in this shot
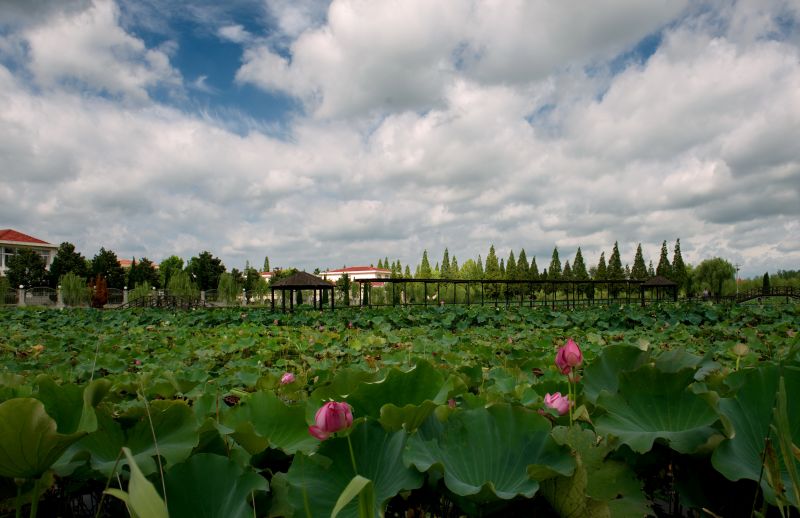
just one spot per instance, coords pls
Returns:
(244, 296)
(59, 298)
(203, 296)
(124, 294)
(21, 295)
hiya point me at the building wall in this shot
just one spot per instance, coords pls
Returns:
(9, 248)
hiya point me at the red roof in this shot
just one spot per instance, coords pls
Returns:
(8, 234)
(359, 269)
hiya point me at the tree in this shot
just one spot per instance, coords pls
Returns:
(343, 284)
(479, 266)
(67, 260)
(425, 267)
(639, 270)
(380, 264)
(614, 270)
(181, 285)
(205, 270)
(455, 272)
(169, 267)
(266, 264)
(444, 270)
(227, 288)
(554, 270)
(143, 273)
(712, 273)
(469, 270)
(534, 270)
(663, 267)
(492, 273)
(26, 268)
(602, 271)
(650, 271)
(679, 274)
(523, 267)
(567, 273)
(765, 283)
(579, 273)
(106, 264)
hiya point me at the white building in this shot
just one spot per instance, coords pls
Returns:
(12, 241)
(357, 273)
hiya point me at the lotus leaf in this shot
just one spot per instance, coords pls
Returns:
(651, 404)
(176, 432)
(603, 372)
(751, 412)
(265, 421)
(141, 498)
(211, 486)
(317, 481)
(516, 451)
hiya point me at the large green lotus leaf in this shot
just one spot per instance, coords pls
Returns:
(29, 443)
(176, 432)
(72, 406)
(750, 412)
(345, 382)
(610, 481)
(211, 486)
(603, 373)
(265, 421)
(651, 404)
(317, 481)
(496, 452)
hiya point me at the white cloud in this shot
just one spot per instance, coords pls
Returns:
(430, 124)
(90, 48)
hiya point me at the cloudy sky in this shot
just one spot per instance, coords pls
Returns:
(331, 133)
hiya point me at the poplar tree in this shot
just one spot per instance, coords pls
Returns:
(614, 270)
(454, 270)
(480, 267)
(602, 272)
(639, 271)
(650, 271)
(492, 272)
(380, 264)
(663, 267)
(679, 274)
(444, 271)
(511, 267)
(266, 263)
(579, 267)
(554, 270)
(502, 269)
(523, 268)
(534, 271)
(567, 273)
(425, 267)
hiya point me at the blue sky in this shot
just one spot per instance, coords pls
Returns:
(333, 133)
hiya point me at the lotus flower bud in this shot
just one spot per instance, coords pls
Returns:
(557, 401)
(287, 378)
(569, 356)
(331, 418)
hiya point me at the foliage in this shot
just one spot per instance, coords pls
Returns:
(674, 401)
(143, 272)
(228, 290)
(99, 288)
(106, 264)
(167, 268)
(205, 270)
(67, 260)
(664, 269)
(26, 268)
(74, 289)
(181, 285)
(712, 274)
(142, 290)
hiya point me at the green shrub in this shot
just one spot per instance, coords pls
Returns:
(141, 290)
(74, 290)
(181, 285)
(228, 289)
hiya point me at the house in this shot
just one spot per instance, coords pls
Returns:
(267, 276)
(11, 241)
(357, 273)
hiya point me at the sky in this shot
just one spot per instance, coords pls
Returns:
(324, 134)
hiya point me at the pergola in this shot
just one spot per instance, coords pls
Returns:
(661, 285)
(300, 281)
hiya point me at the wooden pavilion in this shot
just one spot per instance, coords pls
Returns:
(298, 282)
(661, 287)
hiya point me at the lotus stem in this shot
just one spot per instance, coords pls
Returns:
(352, 455)
(18, 502)
(35, 497)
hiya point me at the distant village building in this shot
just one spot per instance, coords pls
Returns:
(357, 273)
(12, 241)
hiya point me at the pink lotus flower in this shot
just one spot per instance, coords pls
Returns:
(331, 418)
(287, 378)
(557, 401)
(569, 356)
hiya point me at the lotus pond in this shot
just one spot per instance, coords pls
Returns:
(674, 410)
